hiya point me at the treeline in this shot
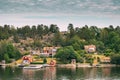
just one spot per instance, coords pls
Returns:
(7, 31)
(107, 39)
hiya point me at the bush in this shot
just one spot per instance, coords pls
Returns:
(36, 63)
(44, 60)
(115, 59)
(65, 54)
(8, 51)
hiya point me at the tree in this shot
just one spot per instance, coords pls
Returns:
(6, 58)
(65, 54)
(37, 44)
(85, 33)
(57, 40)
(13, 31)
(111, 28)
(117, 30)
(104, 35)
(54, 28)
(40, 30)
(4, 32)
(26, 30)
(115, 59)
(89, 58)
(76, 42)
(34, 31)
(71, 30)
(8, 51)
(44, 60)
(95, 32)
(16, 39)
(79, 58)
(45, 30)
(113, 42)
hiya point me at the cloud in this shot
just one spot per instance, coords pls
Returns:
(60, 12)
(68, 7)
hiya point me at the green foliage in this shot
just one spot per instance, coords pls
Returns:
(36, 63)
(85, 33)
(57, 40)
(40, 30)
(89, 58)
(108, 52)
(79, 58)
(107, 40)
(37, 43)
(98, 59)
(8, 51)
(76, 42)
(115, 59)
(53, 28)
(44, 60)
(65, 54)
(6, 57)
(16, 39)
(71, 31)
(91, 62)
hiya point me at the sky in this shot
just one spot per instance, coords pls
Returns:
(101, 13)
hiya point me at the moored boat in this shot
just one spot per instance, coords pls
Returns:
(33, 67)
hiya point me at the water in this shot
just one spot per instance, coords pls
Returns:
(53, 73)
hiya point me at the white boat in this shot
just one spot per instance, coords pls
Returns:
(33, 67)
(46, 65)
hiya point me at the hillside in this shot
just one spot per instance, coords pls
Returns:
(28, 38)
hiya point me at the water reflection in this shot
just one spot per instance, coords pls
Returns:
(106, 71)
(53, 73)
(3, 67)
(97, 73)
(50, 73)
(9, 73)
(28, 74)
(66, 73)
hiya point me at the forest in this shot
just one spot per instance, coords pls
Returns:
(106, 39)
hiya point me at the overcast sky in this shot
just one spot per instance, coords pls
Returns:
(101, 13)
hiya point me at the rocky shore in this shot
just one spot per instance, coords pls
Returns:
(84, 65)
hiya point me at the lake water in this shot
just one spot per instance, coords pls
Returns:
(53, 73)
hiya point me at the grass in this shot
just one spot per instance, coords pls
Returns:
(36, 63)
(36, 60)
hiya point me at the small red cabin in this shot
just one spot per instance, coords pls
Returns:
(27, 59)
(52, 63)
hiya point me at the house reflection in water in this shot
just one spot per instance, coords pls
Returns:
(28, 74)
(106, 71)
(93, 72)
(50, 73)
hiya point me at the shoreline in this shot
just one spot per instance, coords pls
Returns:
(78, 65)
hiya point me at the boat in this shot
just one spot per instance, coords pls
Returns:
(33, 67)
(46, 65)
